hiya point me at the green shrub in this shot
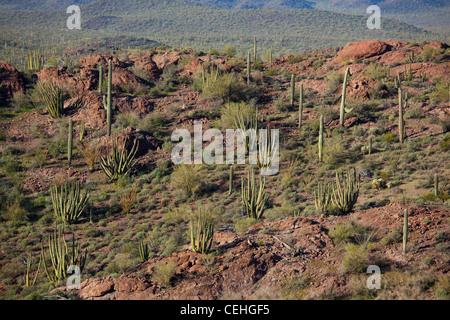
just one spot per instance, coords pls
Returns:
(187, 179)
(164, 272)
(355, 259)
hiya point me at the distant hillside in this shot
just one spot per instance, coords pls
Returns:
(421, 13)
(258, 4)
(187, 24)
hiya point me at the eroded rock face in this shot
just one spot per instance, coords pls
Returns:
(11, 81)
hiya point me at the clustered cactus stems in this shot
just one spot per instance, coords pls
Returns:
(343, 108)
(107, 100)
(405, 230)
(119, 162)
(346, 191)
(202, 231)
(29, 262)
(35, 60)
(321, 139)
(61, 257)
(254, 197)
(322, 198)
(70, 142)
(53, 95)
(68, 202)
(144, 251)
(300, 110)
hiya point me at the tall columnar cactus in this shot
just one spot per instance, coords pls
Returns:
(370, 144)
(107, 101)
(254, 197)
(61, 257)
(292, 89)
(436, 185)
(35, 60)
(144, 251)
(254, 49)
(346, 191)
(100, 79)
(405, 230)
(119, 162)
(249, 67)
(343, 108)
(29, 261)
(321, 139)
(53, 95)
(230, 190)
(401, 122)
(300, 109)
(202, 231)
(82, 130)
(270, 57)
(68, 202)
(70, 142)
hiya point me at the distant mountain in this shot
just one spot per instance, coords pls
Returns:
(257, 4)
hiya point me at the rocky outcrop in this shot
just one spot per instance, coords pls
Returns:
(361, 50)
(11, 81)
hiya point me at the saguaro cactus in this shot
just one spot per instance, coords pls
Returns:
(249, 67)
(292, 89)
(344, 89)
(70, 142)
(230, 191)
(405, 230)
(107, 101)
(401, 121)
(254, 49)
(436, 185)
(100, 79)
(321, 139)
(300, 109)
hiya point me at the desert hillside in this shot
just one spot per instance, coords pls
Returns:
(140, 227)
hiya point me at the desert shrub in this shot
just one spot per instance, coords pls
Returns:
(224, 86)
(441, 92)
(91, 153)
(355, 259)
(187, 179)
(334, 79)
(376, 71)
(164, 272)
(429, 53)
(347, 232)
(127, 199)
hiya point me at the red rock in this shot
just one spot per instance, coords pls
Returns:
(11, 81)
(361, 50)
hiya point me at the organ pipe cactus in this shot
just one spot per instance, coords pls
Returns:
(61, 257)
(119, 162)
(254, 198)
(100, 79)
(202, 231)
(249, 67)
(322, 197)
(346, 191)
(68, 202)
(53, 95)
(144, 251)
